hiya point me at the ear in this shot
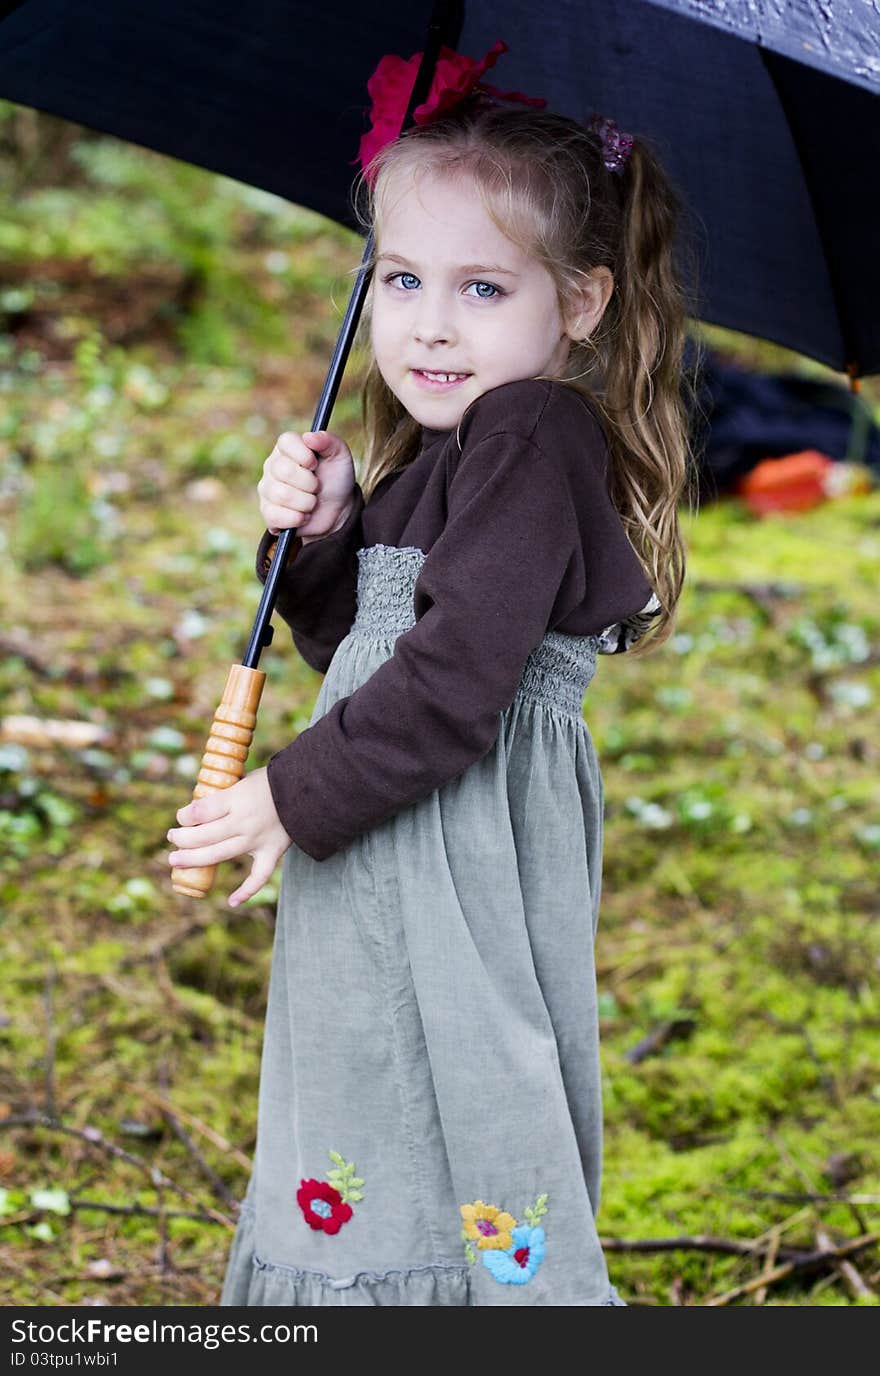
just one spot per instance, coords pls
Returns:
(589, 306)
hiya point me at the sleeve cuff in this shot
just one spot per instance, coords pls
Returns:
(335, 540)
(290, 795)
(266, 549)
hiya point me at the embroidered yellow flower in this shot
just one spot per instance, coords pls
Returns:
(487, 1226)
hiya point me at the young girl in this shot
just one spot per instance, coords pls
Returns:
(430, 1112)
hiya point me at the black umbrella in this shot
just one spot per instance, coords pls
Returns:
(765, 114)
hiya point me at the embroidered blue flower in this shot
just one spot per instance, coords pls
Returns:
(519, 1263)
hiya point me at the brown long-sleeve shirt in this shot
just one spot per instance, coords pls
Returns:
(520, 537)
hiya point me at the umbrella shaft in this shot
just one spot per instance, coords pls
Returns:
(444, 27)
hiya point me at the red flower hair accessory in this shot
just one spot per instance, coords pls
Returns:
(455, 78)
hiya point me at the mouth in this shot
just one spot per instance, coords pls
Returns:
(439, 381)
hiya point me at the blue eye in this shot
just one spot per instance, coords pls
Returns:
(391, 276)
(491, 285)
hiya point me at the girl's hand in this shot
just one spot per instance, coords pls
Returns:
(240, 820)
(299, 489)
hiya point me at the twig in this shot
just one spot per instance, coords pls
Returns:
(770, 1259)
(153, 953)
(676, 1292)
(851, 1279)
(773, 1238)
(196, 1124)
(851, 1200)
(658, 1037)
(162, 1250)
(726, 1246)
(155, 956)
(55, 669)
(77, 1203)
(779, 1228)
(806, 1262)
(824, 1283)
(827, 1080)
(49, 1063)
(793, 1197)
(96, 1138)
(847, 1271)
(218, 1185)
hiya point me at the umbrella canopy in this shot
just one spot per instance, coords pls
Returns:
(766, 115)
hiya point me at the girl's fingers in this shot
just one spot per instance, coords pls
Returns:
(208, 855)
(293, 446)
(287, 486)
(296, 469)
(258, 876)
(287, 494)
(283, 481)
(289, 520)
(285, 515)
(204, 835)
(322, 443)
(305, 449)
(280, 504)
(208, 809)
(261, 872)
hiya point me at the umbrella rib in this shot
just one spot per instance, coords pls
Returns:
(770, 60)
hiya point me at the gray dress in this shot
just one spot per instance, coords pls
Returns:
(430, 1110)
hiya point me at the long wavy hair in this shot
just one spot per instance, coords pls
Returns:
(543, 182)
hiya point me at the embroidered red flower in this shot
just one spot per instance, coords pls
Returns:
(455, 77)
(322, 1205)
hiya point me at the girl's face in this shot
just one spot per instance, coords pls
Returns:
(452, 294)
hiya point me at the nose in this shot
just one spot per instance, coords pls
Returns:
(431, 322)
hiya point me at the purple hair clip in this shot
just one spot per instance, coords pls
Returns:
(616, 146)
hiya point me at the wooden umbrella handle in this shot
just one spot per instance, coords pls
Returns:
(224, 759)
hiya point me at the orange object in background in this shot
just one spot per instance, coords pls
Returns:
(796, 482)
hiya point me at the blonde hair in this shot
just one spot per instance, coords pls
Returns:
(543, 183)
